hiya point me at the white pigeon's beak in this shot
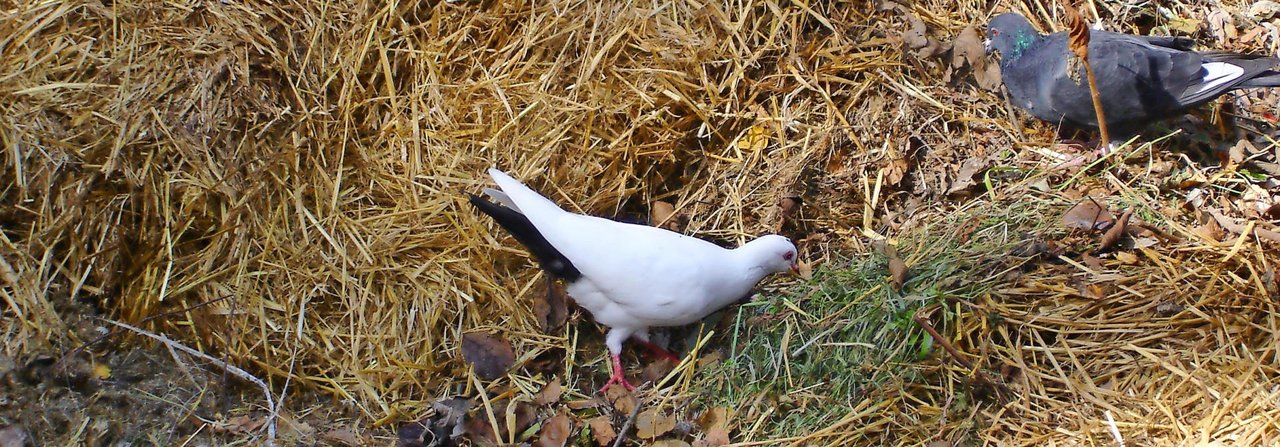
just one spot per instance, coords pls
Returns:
(795, 269)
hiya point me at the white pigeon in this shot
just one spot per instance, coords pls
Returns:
(632, 277)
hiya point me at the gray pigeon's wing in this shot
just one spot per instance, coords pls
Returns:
(1172, 42)
(1137, 81)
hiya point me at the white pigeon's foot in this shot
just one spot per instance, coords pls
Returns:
(617, 376)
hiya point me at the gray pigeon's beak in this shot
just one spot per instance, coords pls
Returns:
(986, 45)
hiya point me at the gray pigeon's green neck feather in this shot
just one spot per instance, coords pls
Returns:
(1021, 42)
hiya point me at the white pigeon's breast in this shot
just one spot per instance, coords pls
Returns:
(660, 305)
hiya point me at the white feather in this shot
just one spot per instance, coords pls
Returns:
(1217, 74)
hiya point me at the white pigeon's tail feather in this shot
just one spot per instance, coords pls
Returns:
(502, 198)
(526, 200)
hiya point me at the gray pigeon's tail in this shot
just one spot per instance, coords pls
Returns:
(1269, 78)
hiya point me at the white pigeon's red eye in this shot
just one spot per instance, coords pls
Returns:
(788, 256)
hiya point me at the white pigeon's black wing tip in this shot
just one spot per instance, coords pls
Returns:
(524, 231)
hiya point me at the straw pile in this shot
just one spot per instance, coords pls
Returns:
(292, 176)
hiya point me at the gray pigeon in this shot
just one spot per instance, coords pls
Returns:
(1141, 79)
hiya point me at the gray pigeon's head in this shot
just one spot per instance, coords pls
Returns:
(1010, 34)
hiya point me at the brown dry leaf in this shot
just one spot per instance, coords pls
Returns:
(1117, 231)
(889, 5)
(490, 355)
(964, 178)
(669, 443)
(713, 418)
(939, 443)
(1256, 201)
(896, 169)
(583, 404)
(754, 139)
(479, 431)
(550, 393)
(661, 214)
(292, 427)
(805, 269)
(14, 436)
(1273, 212)
(1184, 25)
(1126, 258)
(897, 272)
(715, 437)
(239, 425)
(1087, 215)
(656, 370)
(555, 431)
(917, 38)
(602, 430)
(653, 423)
(1078, 32)
(1210, 230)
(709, 359)
(789, 205)
(1222, 25)
(1239, 151)
(1252, 36)
(1263, 10)
(621, 399)
(989, 78)
(968, 49)
(341, 436)
(1093, 262)
(551, 306)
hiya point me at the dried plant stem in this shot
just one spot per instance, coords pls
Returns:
(922, 319)
(1097, 102)
(1079, 43)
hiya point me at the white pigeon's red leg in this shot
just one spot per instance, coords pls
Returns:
(617, 376)
(613, 340)
(642, 337)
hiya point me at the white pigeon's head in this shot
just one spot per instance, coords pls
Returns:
(774, 253)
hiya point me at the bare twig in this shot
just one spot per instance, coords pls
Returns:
(232, 369)
(622, 434)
